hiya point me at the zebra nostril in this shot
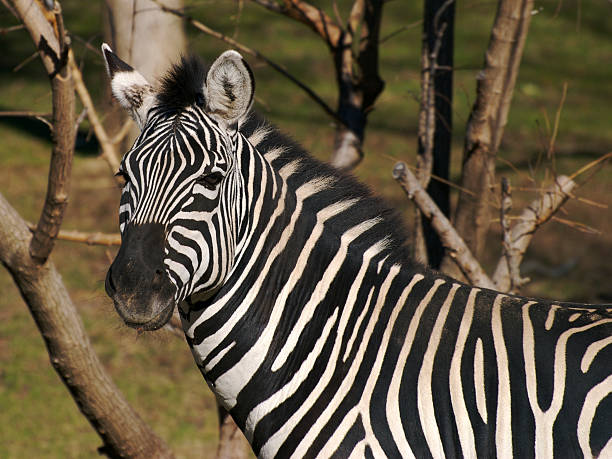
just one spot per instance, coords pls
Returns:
(109, 284)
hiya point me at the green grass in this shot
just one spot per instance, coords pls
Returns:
(156, 372)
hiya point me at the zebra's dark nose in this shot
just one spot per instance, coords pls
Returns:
(137, 281)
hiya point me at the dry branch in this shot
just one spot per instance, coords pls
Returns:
(53, 47)
(109, 148)
(26, 257)
(315, 18)
(245, 49)
(510, 252)
(85, 238)
(534, 215)
(70, 351)
(453, 243)
(354, 48)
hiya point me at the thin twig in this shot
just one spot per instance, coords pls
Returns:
(6, 30)
(123, 132)
(25, 62)
(42, 117)
(534, 215)
(96, 238)
(400, 30)
(550, 154)
(80, 119)
(279, 68)
(109, 149)
(511, 253)
(592, 164)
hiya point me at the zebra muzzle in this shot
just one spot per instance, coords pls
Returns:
(137, 281)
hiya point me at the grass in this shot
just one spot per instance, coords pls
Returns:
(156, 372)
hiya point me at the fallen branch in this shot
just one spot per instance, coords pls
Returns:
(534, 215)
(452, 242)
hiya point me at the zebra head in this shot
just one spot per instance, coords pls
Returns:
(180, 205)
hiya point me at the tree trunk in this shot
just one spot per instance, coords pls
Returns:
(435, 124)
(359, 82)
(123, 432)
(495, 85)
(146, 38)
(232, 443)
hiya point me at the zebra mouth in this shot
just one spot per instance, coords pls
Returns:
(152, 324)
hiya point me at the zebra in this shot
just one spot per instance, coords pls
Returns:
(304, 311)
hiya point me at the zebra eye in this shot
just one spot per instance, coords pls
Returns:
(123, 177)
(211, 180)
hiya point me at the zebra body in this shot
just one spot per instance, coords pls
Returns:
(304, 312)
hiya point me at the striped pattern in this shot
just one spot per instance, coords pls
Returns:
(323, 339)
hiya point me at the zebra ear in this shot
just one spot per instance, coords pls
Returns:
(229, 88)
(129, 87)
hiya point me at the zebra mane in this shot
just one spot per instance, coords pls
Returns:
(342, 187)
(183, 84)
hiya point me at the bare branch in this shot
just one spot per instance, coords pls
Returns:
(109, 149)
(245, 49)
(123, 432)
(42, 117)
(96, 238)
(6, 30)
(54, 49)
(315, 18)
(534, 215)
(511, 253)
(453, 243)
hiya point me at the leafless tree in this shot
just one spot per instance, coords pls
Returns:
(26, 257)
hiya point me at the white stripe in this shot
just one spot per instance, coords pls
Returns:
(398, 430)
(292, 386)
(592, 352)
(479, 381)
(462, 419)
(503, 426)
(322, 287)
(214, 361)
(425, 404)
(271, 447)
(585, 421)
(544, 420)
(229, 384)
(550, 319)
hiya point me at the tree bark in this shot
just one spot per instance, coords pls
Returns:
(232, 443)
(495, 85)
(435, 120)
(123, 432)
(359, 82)
(354, 49)
(148, 39)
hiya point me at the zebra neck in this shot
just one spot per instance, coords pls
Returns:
(245, 339)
